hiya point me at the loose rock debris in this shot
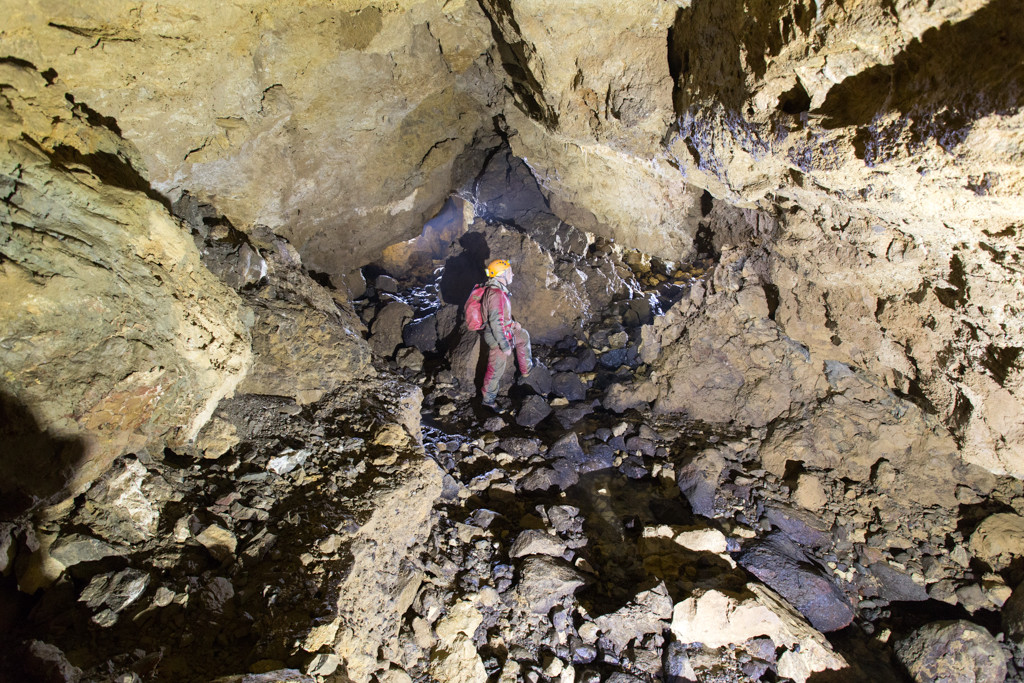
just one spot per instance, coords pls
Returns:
(394, 530)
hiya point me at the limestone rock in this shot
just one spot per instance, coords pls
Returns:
(125, 507)
(305, 344)
(307, 137)
(368, 621)
(219, 541)
(647, 613)
(716, 618)
(952, 651)
(78, 225)
(999, 539)
(536, 542)
(46, 662)
(544, 582)
(730, 363)
(114, 592)
(75, 548)
(387, 328)
(785, 569)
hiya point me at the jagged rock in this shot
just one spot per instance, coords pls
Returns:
(76, 548)
(288, 460)
(536, 542)
(570, 416)
(216, 594)
(717, 618)
(561, 475)
(121, 511)
(801, 526)
(894, 585)
(568, 448)
(216, 438)
(699, 479)
(161, 340)
(366, 621)
(305, 344)
(539, 379)
(647, 613)
(455, 659)
(532, 412)
(784, 568)
(569, 386)
(544, 582)
(323, 665)
(999, 539)
(421, 333)
(386, 330)
(115, 591)
(956, 651)
(599, 457)
(219, 541)
(520, 447)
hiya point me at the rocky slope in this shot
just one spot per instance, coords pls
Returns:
(769, 254)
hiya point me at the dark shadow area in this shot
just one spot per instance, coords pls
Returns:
(940, 84)
(35, 466)
(463, 272)
(91, 115)
(111, 169)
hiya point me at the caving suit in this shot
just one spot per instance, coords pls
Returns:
(500, 333)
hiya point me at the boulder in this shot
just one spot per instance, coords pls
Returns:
(699, 479)
(784, 568)
(569, 386)
(306, 344)
(999, 539)
(544, 582)
(649, 612)
(116, 335)
(532, 412)
(954, 651)
(536, 542)
(717, 618)
(387, 326)
(421, 333)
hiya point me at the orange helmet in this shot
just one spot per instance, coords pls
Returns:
(497, 267)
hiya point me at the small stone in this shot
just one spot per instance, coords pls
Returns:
(219, 541)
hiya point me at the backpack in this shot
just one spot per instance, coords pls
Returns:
(474, 308)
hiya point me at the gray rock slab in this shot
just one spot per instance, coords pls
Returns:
(781, 565)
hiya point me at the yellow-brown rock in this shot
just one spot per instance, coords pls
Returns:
(335, 124)
(114, 335)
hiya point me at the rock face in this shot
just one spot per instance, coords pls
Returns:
(116, 336)
(305, 343)
(306, 119)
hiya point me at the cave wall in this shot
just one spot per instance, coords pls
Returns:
(880, 140)
(115, 336)
(334, 124)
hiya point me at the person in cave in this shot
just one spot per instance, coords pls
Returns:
(502, 333)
